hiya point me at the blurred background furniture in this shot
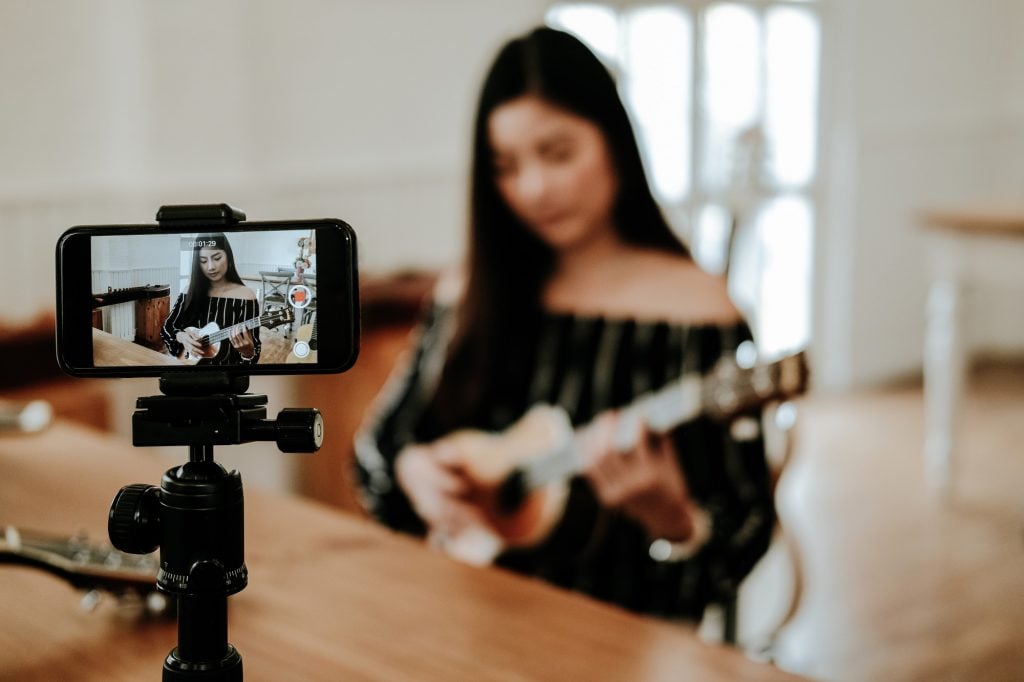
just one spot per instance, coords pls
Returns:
(966, 248)
(391, 306)
(273, 290)
(29, 371)
(744, 620)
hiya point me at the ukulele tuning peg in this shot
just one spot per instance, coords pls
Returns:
(785, 416)
(90, 600)
(746, 355)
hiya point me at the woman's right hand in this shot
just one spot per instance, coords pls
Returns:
(436, 483)
(433, 484)
(190, 342)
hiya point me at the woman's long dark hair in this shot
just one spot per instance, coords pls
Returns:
(198, 293)
(507, 264)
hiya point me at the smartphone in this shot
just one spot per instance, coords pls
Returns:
(247, 298)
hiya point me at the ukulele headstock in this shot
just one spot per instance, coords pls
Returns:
(734, 386)
(277, 317)
(95, 569)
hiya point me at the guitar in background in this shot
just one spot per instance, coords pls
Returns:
(130, 578)
(304, 348)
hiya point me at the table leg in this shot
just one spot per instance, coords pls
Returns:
(945, 367)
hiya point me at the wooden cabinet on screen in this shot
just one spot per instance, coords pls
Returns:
(150, 314)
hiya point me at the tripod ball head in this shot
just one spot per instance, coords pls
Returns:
(195, 517)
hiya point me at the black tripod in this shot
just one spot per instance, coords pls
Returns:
(195, 517)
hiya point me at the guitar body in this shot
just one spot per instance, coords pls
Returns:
(305, 334)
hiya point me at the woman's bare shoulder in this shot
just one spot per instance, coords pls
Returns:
(238, 291)
(666, 286)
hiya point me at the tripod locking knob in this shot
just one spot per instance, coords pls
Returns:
(299, 429)
(134, 521)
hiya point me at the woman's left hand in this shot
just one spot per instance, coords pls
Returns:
(241, 339)
(645, 481)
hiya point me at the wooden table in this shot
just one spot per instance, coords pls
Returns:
(330, 597)
(966, 247)
(110, 351)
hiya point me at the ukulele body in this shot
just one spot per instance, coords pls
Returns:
(208, 351)
(486, 459)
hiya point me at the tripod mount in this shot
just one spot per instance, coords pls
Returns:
(196, 515)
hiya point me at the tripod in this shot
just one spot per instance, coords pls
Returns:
(195, 516)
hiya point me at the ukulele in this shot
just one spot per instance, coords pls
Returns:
(129, 577)
(519, 477)
(211, 336)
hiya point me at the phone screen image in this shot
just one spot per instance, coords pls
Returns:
(232, 298)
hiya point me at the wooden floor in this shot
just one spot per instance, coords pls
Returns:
(275, 348)
(898, 584)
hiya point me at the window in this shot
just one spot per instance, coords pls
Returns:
(724, 99)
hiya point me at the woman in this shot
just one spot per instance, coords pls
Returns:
(216, 294)
(576, 294)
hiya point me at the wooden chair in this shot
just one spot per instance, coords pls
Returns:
(779, 426)
(273, 290)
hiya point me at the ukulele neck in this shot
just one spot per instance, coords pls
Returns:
(728, 390)
(222, 334)
(661, 411)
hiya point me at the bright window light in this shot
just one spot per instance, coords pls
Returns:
(792, 94)
(784, 229)
(732, 86)
(596, 25)
(658, 68)
(754, 107)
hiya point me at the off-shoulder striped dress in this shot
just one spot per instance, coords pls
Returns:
(587, 364)
(225, 312)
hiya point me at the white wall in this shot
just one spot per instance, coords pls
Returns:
(922, 110)
(361, 109)
(356, 109)
(1016, 91)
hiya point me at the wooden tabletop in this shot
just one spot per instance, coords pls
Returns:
(330, 597)
(997, 219)
(110, 351)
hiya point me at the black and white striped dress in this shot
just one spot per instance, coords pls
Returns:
(587, 364)
(225, 312)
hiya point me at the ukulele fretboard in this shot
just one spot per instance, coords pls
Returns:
(726, 391)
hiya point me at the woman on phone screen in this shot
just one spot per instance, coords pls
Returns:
(215, 293)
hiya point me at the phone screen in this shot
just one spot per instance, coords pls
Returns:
(246, 301)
